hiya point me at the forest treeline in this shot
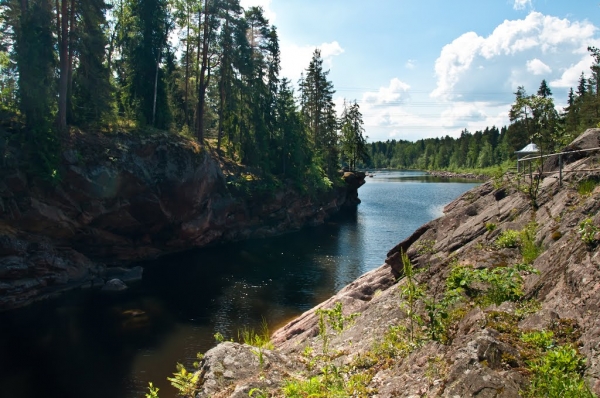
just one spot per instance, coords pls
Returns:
(208, 69)
(533, 118)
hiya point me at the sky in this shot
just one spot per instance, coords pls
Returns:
(430, 68)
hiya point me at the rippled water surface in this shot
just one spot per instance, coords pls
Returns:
(88, 344)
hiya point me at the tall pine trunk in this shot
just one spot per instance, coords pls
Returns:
(64, 67)
(203, 83)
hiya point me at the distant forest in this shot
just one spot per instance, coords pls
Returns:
(533, 119)
(110, 65)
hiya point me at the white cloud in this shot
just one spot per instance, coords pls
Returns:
(537, 67)
(410, 64)
(266, 6)
(521, 4)
(386, 95)
(295, 58)
(570, 76)
(511, 56)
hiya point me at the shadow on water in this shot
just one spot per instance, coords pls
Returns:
(90, 344)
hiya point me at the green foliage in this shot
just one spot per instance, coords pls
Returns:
(184, 381)
(395, 343)
(558, 373)
(411, 292)
(508, 238)
(152, 391)
(587, 230)
(524, 239)
(425, 247)
(219, 338)
(498, 177)
(260, 339)
(258, 393)
(542, 340)
(335, 319)
(529, 249)
(490, 226)
(503, 283)
(585, 187)
(352, 142)
(332, 382)
(460, 278)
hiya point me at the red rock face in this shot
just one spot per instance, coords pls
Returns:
(134, 198)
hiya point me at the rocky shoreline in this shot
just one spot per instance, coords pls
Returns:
(372, 339)
(468, 176)
(123, 198)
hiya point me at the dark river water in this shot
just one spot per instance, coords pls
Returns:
(90, 344)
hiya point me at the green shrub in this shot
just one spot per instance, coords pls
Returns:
(508, 238)
(460, 278)
(184, 381)
(542, 340)
(490, 226)
(588, 231)
(529, 249)
(503, 283)
(558, 374)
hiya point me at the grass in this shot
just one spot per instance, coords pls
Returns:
(586, 187)
(260, 339)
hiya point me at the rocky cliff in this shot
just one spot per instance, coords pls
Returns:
(497, 298)
(121, 198)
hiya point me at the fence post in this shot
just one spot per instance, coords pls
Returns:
(560, 167)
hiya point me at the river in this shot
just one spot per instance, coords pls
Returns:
(95, 345)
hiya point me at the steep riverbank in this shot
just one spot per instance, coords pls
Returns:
(123, 198)
(505, 281)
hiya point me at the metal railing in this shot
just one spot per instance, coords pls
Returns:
(560, 163)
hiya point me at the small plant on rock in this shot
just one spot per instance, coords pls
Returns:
(184, 381)
(335, 318)
(425, 247)
(152, 391)
(529, 249)
(588, 231)
(490, 226)
(411, 292)
(508, 238)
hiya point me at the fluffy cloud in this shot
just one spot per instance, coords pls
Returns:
(395, 92)
(410, 64)
(521, 4)
(538, 67)
(295, 58)
(511, 56)
(571, 74)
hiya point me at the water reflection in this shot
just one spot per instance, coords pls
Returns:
(87, 344)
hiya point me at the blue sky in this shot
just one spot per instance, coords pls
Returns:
(429, 68)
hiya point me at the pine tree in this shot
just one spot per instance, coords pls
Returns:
(318, 112)
(144, 43)
(92, 90)
(352, 142)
